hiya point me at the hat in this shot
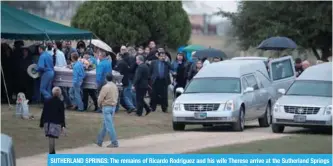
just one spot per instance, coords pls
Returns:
(32, 71)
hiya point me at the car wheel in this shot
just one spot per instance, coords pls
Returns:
(207, 125)
(267, 119)
(240, 124)
(277, 128)
(178, 127)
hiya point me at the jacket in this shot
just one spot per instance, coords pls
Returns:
(154, 70)
(103, 67)
(141, 77)
(53, 112)
(78, 73)
(108, 96)
(45, 63)
(124, 69)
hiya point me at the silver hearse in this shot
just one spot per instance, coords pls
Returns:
(307, 102)
(232, 92)
(264, 59)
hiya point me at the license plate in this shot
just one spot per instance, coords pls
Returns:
(300, 118)
(200, 115)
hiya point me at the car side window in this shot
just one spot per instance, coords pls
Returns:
(282, 69)
(244, 84)
(252, 81)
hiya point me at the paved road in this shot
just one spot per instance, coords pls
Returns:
(179, 142)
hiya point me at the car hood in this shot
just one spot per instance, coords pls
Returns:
(305, 100)
(206, 97)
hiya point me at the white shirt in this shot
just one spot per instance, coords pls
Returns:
(60, 59)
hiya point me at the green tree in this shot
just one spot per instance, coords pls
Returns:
(135, 22)
(308, 23)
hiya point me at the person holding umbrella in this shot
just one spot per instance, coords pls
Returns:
(195, 70)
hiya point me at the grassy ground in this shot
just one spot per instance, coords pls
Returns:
(82, 129)
(297, 144)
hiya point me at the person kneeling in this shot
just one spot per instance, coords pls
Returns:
(107, 100)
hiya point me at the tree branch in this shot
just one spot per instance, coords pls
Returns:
(314, 50)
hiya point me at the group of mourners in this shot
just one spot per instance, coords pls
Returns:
(146, 71)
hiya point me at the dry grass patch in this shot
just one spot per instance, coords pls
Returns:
(83, 128)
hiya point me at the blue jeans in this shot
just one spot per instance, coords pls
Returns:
(108, 112)
(130, 84)
(65, 94)
(46, 84)
(77, 99)
(127, 97)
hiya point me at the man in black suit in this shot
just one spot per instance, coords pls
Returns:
(140, 85)
(160, 76)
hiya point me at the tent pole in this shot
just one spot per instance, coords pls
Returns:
(4, 84)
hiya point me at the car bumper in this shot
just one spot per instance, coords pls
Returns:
(213, 117)
(287, 119)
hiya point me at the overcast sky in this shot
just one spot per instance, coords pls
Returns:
(230, 5)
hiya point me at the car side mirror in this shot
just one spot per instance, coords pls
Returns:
(248, 90)
(282, 91)
(180, 90)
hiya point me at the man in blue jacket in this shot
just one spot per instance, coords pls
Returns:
(46, 68)
(103, 67)
(78, 76)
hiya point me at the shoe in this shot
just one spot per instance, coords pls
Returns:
(131, 110)
(138, 115)
(165, 111)
(148, 112)
(69, 106)
(113, 146)
(73, 108)
(100, 145)
(98, 111)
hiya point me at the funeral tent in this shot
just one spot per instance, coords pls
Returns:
(20, 25)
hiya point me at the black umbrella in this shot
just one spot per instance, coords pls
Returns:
(210, 52)
(277, 43)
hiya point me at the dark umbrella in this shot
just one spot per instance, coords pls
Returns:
(277, 43)
(210, 52)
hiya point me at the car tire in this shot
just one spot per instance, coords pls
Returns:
(267, 119)
(277, 128)
(207, 125)
(240, 124)
(178, 127)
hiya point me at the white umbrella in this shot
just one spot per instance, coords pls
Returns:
(100, 44)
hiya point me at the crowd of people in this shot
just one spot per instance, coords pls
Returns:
(146, 72)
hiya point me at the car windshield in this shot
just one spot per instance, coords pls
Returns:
(311, 88)
(214, 85)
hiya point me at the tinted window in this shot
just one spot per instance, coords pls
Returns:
(214, 85)
(311, 88)
(252, 81)
(244, 83)
(282, 69)
(264, 80)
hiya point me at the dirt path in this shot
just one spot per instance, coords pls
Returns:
(179, 142)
